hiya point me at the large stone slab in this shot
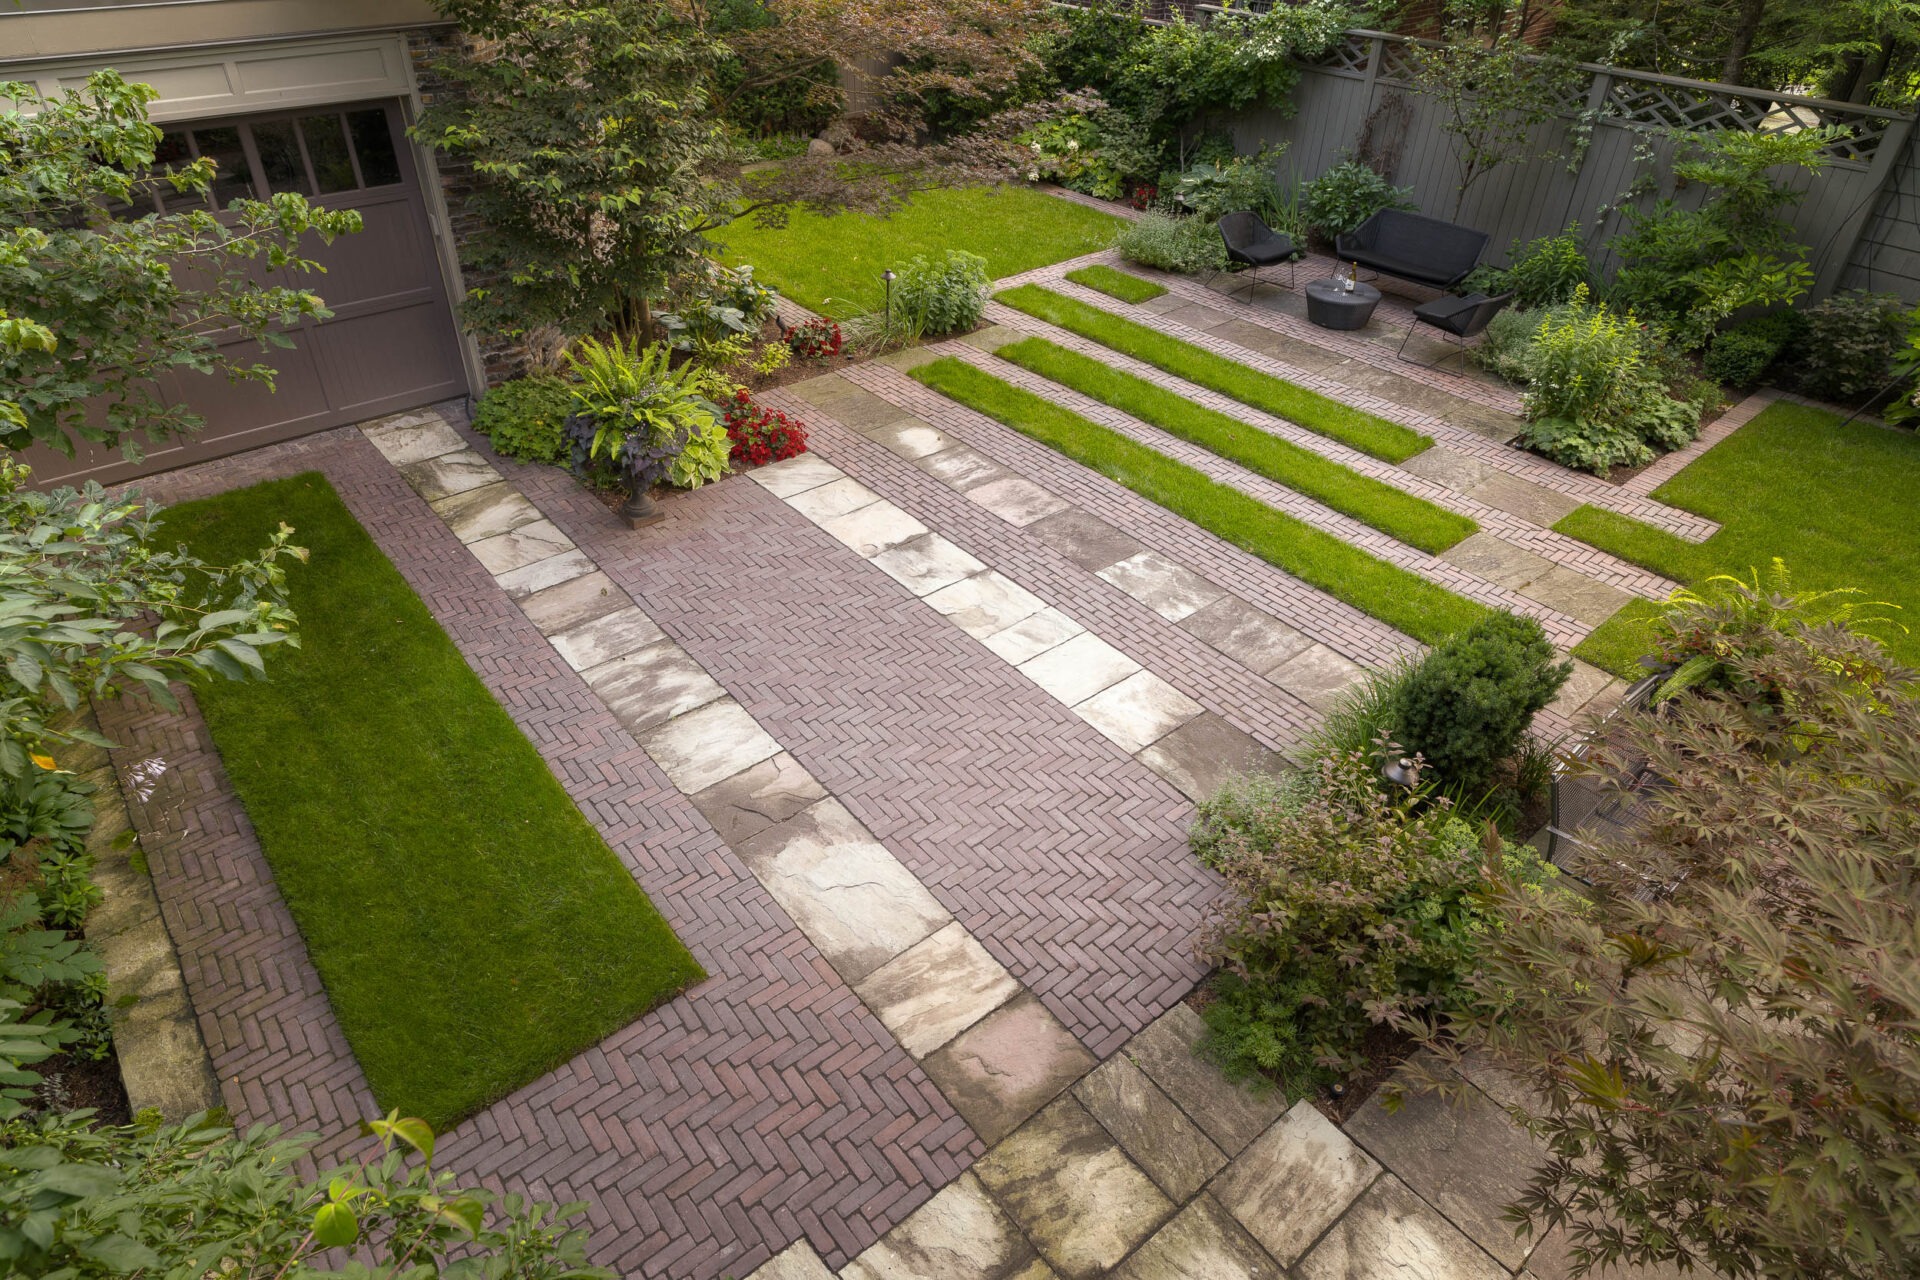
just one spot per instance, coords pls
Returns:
(1076, 669)
(1171, 590)
(413, 437)
(1031, 637)
(715, 741)
(835, 498)
(1008, 1066)
(862, 410)
(936, 989)
(1498, 561)
(960, 1234)
(1534, 503)
(1016, 500)
(541, 574)
(448, 474)
(961, 467)
(1583, 692)
(1317, 676)
(609, 636)
(577, 600)
(910, 439)
(1391, 1232)
(1576, 595)
(993, 337)
(486, 512)
(925, 564)
(1072, 1189)
(652, 685)
(1150, 1128)
(1552, 1259)
(1203, 1242)
(1467, 1158)
(1203, 753)
(795, 475)
(1230, 1114)
(844, 889)
(797, 1261)
(1252, 637)
(754, 799)
(520, 547)
(874, 528)
(1138, 711)
(986, 603)
(1085, 539)
(1195, 316)
(1457, 471)
(1293, 1181)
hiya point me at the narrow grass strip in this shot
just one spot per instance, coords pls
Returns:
(1398, 598)
(1636, 541)
(472, 928)
(1617, 644)
(1388, 441)
(1117, 284)
(1394, 512)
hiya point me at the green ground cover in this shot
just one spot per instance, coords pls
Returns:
(833, 264)
(1116, 284)
(1393, 595)
(1399, 514)
(1834, 502)
(1388, 441)
(472, 928)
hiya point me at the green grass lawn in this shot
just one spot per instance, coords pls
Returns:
(1388, 441)
(1401, 599)
(1116, 284)
(1399, 514)
(472, 928)
(1835, 502)
(833, 264)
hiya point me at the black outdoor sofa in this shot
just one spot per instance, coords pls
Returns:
(1412, 246)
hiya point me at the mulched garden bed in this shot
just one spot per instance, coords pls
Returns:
(69, 1083)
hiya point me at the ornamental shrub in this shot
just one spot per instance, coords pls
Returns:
(1739, 358)
(1467, 704)
(1211, 190)
(946, 295)
(1189, 245)
(524, 418)
(815, 339)
(760, 435)
(1347, 195)
(1549, 270)
(1847, 349)
(1346, 909)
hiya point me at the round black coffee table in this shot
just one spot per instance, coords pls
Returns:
(1331, 306)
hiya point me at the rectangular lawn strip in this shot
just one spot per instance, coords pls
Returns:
(833, 264)
(1833, 501)
(1394, 512)
(1388, 441)
(472, 928)
(1116, 284)
(1401, 599)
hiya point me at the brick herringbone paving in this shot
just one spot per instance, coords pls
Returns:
(1066, 858)
(765, 1104)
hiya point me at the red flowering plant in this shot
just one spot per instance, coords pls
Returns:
(761, 435)
(817, 339)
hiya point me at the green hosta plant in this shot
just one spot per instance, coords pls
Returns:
(1347, 195)
(637, 412)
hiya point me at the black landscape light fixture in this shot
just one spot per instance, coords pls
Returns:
(888, 276)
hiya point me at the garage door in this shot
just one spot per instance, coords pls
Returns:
(391, 342)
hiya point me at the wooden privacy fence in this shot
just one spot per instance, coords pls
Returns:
(1859, 215)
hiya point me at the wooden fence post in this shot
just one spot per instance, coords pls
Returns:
(1887, 159)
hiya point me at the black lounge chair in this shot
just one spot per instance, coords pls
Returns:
(1462, 318)
(1412, 246)
(1253, 244)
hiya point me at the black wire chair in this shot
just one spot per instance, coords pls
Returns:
(1254, 245)
(1459, 317)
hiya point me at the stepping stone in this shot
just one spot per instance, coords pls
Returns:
(993, 337)
(1150, 1128)
(1016, 500)
(607, 637)
(1195, 316)
(448, 474)
(931, 993)
(795, 475)
(1255, 639)
(714, 741)
(911, 358)
(486, 512)
(1171, 590)
(1582, 693)
(823, 390)
(1467, 1159)
(1072, 1189)
(836, 498)
(1031, 637)
(1076, 669)
(1497, 560)
(649, 688)
(960, 1234)
(925, 564)
(1230, 1114)
(1203, 753)
(961, 467)
(1532, 502)
(1085, 539)
(845, 891)
(874, 528)
(1166, 302)
(518, 548)
(1007, 1066)
(1391, 1232)
(1203, 1242)
(910, 439)
(413, 437)
(1138, 711)
(985, 603)
(796, 1262)
(541, 574)
(1457, 471)
(754, 799)
(1317, 676)
(1257, 337)
(862, 410)
(578, 600)
(1576, 595)
(1294, 1180)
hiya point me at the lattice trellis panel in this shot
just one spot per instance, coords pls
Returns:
(1396, 60)
(1672, 106)
(1350, 53)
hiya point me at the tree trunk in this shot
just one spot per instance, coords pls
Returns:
(1849, 82)
(1751, 13)
(1874, 71)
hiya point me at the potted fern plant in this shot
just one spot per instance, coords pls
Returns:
(643, 420)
